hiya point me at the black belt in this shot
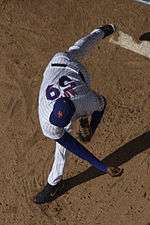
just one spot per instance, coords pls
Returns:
(58, 64)
(64, 65)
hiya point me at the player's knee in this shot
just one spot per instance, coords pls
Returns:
(102, 102)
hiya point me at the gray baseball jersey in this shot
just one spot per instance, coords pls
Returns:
(65, 76)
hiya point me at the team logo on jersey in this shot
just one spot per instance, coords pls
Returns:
(60, 114)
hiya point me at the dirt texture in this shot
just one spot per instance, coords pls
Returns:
(31, 32)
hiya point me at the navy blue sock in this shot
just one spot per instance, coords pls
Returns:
(97, 117)
(95, 120)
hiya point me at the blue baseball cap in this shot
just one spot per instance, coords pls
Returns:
(62, 112)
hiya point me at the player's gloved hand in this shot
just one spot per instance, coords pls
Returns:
(115, 171)
(108, 29)
(85, 132)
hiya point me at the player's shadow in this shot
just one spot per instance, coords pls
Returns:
(117, 158)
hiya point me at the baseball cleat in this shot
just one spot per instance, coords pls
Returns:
(145, 37)
(144, 1)
(115, 171)
(108, 29)
(48, 193)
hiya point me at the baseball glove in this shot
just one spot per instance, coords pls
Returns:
(85, 132)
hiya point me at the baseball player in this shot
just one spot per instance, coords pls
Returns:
(65, 96)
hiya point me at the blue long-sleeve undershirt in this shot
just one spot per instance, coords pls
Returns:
(71, 144)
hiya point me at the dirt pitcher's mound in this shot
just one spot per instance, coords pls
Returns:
(30, 33)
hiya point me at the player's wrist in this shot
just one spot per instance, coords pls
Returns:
(114, 171)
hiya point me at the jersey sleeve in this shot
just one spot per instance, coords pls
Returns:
(52, 131)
